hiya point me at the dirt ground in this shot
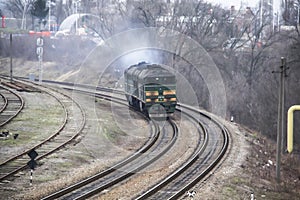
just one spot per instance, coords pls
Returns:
(248, 170)
(100, 145)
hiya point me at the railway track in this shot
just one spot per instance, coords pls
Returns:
(73, 123)
(202, 161)
(198, 166)
(161, 141)
(11, 105)
(104, 180)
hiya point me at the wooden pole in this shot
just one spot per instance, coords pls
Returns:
(11, 52)
(280, 120)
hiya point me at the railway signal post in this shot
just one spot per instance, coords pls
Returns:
(39, 52)
(32, 163)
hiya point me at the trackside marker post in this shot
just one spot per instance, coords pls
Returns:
(32, 163)
(39, 52)
(31, 172)
(290, 127)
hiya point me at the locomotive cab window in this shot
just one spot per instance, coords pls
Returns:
(150, 85)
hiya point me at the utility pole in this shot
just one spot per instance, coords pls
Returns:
(49, 17)
(23, 24)
(260, 18)
(11, 52)
(298, 15)
(50, 4)
(280, 121)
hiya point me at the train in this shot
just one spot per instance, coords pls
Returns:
(151, 89)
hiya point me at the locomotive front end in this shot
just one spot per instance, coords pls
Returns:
(151, 89)
(160, 94)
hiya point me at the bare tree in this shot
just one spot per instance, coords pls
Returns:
(16, 7)
(290, 14)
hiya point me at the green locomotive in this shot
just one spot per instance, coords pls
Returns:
(151, 89)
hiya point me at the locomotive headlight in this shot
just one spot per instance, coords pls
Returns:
(169, 92)
(151, 93)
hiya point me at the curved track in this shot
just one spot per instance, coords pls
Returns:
(201, 162)
(161, 141)
(205, 158)
(198, 166)
(11, 105)
(208, 154)
(73, 124)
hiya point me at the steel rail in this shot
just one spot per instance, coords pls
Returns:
(5, 102)
(211, 166)
(130, 173)
(158, 187)
(214, 163)
(89, 180)
(154, 137)
(49, 139)
(44, 141)
(195, 180)
(13, 110)
(82, 86)
(128, 161)
(194, 157)
(97, 190)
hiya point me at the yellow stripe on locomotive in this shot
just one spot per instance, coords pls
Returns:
(169, 92)
(149, 86)
(151, 93)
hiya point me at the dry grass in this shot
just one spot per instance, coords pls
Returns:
(260, 171)
(40, 190)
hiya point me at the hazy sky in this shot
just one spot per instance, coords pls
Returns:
(227, 3)
(237, 3)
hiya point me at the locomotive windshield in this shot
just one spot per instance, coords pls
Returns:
(161, 80)
(151, 89)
